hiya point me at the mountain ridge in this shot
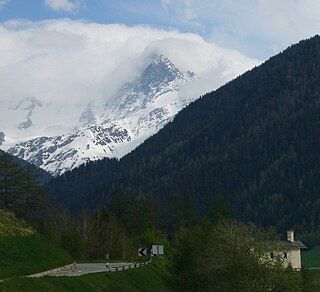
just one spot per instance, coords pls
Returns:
(141, 109)
(254, 141)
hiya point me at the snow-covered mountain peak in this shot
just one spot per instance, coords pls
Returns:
(159, 77)
(161, 71)
(61, 136)
(106, 129)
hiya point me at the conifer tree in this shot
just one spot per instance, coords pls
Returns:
(10, 182)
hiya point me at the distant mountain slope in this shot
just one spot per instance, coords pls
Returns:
(254, 140)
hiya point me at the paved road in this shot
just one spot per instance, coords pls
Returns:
(94, 268)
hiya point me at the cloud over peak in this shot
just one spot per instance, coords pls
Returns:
(77, 62)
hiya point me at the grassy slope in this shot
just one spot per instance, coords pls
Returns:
(23, 251)
(149, 278)
(311, 258)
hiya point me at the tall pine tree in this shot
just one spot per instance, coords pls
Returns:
(20, 190)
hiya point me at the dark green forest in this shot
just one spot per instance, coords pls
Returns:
(255, 141)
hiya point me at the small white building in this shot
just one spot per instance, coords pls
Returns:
(291, 251)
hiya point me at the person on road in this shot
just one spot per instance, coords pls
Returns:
(107, 267)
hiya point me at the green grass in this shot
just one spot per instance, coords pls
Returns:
(311, 280)
(149, 278)
(10, 226)
(25, 255)
(311, 258)
(23, 251)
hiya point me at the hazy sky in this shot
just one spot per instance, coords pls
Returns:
(79, 50)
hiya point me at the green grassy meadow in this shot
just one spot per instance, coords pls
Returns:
(311, 258)
(311, 277)
(23, 251)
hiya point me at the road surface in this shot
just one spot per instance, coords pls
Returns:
(83, 269)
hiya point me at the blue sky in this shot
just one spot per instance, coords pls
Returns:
(128, 12)
(256, 28)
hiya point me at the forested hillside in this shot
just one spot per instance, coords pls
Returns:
(254, 141)
(22, 188)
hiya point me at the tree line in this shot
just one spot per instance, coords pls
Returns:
(115, 231)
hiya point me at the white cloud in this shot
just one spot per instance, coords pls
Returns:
(3, 3)
(77, 62)
(65, 5)
(256, 27)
